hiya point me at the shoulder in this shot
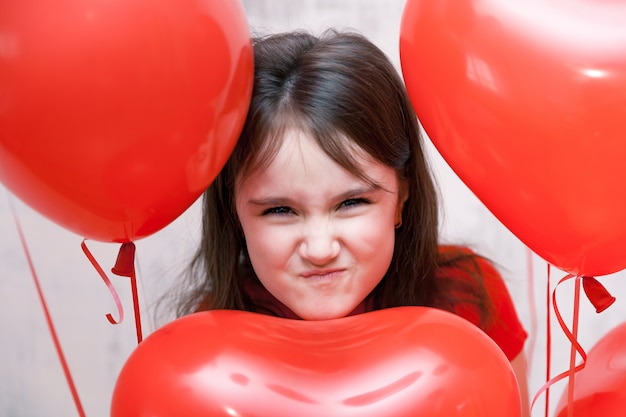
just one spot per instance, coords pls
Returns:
(462, 264)
(472, 275)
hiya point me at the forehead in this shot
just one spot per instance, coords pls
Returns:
(298, 150)
(300, 162)
(294, 142)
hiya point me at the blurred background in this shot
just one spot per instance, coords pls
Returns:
(32, 383)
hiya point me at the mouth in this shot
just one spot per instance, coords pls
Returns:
(323, 275)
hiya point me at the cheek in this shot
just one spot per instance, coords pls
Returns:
(268, 247)
(383, 244)
(373, 240)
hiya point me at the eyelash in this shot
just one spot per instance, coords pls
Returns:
(354, 202)
(279, 211)
(285, 210)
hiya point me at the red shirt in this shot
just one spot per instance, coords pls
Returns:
(504, 328)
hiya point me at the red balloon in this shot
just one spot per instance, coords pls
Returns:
(116, 115)
(600, 387)
(526, 101)
(400, 362)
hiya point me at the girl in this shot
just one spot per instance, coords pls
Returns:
(327, 206)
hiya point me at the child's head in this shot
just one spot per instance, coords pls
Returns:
(319, 238)
(337, 87)
(341, 99)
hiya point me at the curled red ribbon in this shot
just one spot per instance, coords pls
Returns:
(124, 266)
(109, 284)
(601, 299)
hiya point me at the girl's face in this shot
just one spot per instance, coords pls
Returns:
(319, 238)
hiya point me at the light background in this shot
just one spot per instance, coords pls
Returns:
(32, 383)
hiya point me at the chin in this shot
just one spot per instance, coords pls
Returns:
(323, 314)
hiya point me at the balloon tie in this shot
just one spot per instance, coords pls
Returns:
(597, 294)
(51, 328)
(124, 266)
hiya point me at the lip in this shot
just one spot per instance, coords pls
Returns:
(322, 274)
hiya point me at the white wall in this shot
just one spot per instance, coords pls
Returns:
(31, 379)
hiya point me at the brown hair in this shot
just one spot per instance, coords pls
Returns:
(333, 87)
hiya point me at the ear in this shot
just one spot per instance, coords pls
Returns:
(403, 195)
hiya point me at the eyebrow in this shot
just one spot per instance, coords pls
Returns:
(271, 201)
(288, 201)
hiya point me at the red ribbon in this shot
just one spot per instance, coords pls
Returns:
(601, 300)
(51, 328)
(548, 343)
(124, 266)
(109, 284)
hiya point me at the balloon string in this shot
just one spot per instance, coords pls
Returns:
(107, 281)
(533, 307)
(51, 328)
(548, 341)
(138, 285)
(125, 267)
(576, 347)
(133, 284)
(572, 359)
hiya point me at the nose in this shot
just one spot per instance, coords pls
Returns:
(319, 243)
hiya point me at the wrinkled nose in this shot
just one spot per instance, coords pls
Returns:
(319, 244)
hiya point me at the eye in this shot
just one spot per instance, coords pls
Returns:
(353, 202)
(280, 210)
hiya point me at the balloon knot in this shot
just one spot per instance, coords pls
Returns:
(125, 263)
(597, 294)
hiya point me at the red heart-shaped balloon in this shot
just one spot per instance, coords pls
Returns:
(405, 361)
(526, 101)
(116, 115)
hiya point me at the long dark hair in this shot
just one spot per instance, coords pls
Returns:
(333, 87)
